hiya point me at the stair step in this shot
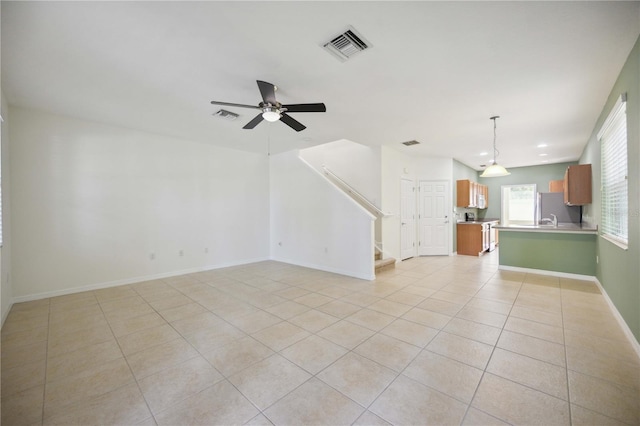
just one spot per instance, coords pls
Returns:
(385, 264)
(378, 255)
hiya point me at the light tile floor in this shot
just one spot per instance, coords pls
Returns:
(438, 340)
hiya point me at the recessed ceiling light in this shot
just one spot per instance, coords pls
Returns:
(482, 154)
(544, 161)
(543, 155)
(542, 145)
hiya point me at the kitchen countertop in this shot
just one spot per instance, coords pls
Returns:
(579, 228)
(477, 221)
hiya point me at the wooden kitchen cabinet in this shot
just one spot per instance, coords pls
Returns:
(471, 239)
(556, 185)
(464, 194)
(467, 193)
(577, 185)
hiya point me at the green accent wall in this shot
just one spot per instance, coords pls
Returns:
(550, 251)
(619, 269)
(540, 175)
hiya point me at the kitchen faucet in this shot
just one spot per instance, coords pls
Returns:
(554, 221)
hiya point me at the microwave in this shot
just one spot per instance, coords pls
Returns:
(482, 202)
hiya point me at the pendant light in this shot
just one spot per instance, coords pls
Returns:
(495, 170)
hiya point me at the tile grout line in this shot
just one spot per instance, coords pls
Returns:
(484, 371)
(135, 379)
(46, 362)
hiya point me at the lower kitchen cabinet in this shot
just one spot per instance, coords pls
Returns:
(473, 238)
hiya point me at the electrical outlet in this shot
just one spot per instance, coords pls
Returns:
(206, 249)
(152, 256)
(597, 259)
(181, 253)
(326, 250)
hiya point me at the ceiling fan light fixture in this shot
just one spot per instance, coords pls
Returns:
(495, 170)
(271, 114)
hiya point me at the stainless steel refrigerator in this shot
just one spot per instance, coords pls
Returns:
(553, 203)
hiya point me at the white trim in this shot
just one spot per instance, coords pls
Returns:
(613, 113)
(363, 276)
(625, 327)
(545, 272)
(613, 241)
(126, 281)
(371, 216)
(5, 314)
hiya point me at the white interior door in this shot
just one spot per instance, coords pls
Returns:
(434, 226)
(407, 219)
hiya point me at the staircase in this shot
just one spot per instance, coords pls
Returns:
(380, 264)
(383, 264)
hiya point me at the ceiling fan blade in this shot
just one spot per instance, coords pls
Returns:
(235, 105)
(305, 107)
(268, 92)
(293, 123)
(253, 123)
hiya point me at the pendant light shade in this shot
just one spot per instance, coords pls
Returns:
(495, 170)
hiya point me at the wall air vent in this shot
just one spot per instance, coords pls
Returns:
(347, 44)
(409, 143)
(227, 115)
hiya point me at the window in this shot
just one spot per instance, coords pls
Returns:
(615, 198)
(518, 204)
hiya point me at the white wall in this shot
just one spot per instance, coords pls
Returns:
(397, 165)
(92, 202)
(314, 224)
(356, 164)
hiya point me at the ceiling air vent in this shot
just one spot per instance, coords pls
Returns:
(409, 143)
(347, 44)
(227, 115)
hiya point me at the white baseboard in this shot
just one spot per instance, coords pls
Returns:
(625, 327)
(362, 276)
(133, 280)
(550, 273)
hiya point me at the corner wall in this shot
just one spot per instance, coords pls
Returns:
(95, 205)
(397, 165)
(6, 295)
(316, 225)
(460, 172)
(619, 270)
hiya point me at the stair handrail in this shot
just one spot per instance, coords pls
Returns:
(355, 192)
(378, 246)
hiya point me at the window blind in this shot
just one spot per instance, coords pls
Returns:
(615, 193)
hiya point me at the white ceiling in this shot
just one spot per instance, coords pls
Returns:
(436, 72)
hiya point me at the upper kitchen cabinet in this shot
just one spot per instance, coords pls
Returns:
(556, 185)
(577, 185)
(471, 194)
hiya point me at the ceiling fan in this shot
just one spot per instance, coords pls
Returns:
(272, 110)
